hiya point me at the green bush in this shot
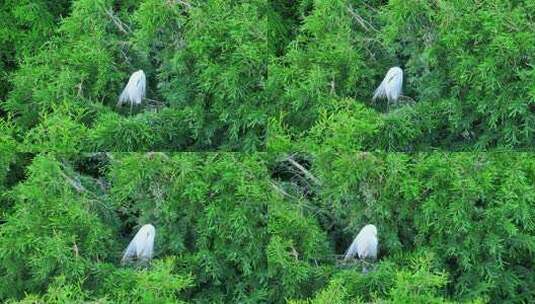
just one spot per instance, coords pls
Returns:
(269, 227)
(24, 27)
(476, 57)
(157, 285)
(73, 215)
(211, 209)
(219, 72)
(472, 212)
(227, 69)
(210, 75)
(468, 67)
(293, 253)
(295, 78)
(50, 232)
(387, 284)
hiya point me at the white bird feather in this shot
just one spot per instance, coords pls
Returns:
(134, 92)
(364, 245)
(142, 245)
(390, 87)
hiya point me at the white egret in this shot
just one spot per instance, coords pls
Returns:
(390, 87)
(364, 245)
(134, 91)
(142, 245)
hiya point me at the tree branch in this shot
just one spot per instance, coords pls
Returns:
(365, 24)
(186, 4)
(280, 190)
(120, 25)
(76, 184)
(304, 171)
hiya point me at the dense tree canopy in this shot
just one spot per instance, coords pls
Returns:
(223, 75)
(268, 227)
(469, 71)
(258, 154)
(205, 79)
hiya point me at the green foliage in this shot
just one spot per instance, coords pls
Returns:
(386, 284)
(319, 65)
(160, 131)
(472, 211)
(476, 56)
(205, 79)
(227, 69)
(58, 292)
(8, 152)
(66, 230)
(157, 285)
(49, 232)
(24, 27)
(346, 126)
(468, 69)
(211, 209)
(75, 67)
(294, 78)
(9, 170)
(220, 71)
(293, 254)
(59, 131)
(266, 227)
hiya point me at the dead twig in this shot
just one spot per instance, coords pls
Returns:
(280, 190)
(410, 99)
(333, 86)
(76, 184)
(153, 154)
(304, 171)
(186, 4)
(295, 254)
(365, 24)
(370, 7)
(123, 27)
(75, 249)
(155, 102)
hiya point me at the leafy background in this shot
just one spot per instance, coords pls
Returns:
(230, 75)
(205, 78)
(256, 228)
(293, 79)
(468, 67)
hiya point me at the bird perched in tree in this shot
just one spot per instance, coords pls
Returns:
(141, 246)
(364, 245)
(390, 87)
(134, 91)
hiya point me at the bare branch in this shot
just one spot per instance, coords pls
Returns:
(75, 249)
(186, 4)
(295, 254)
(304, 171)
(76, 184)
(365, 24)
(123, 27)
(280, 190)
(152, 154)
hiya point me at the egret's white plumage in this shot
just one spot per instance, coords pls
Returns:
(141, 246)
(134, 91)
(364, 245)
(390, 87)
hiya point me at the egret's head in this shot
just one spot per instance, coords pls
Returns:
(371, 229)
(396, 71)
(148, 230)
